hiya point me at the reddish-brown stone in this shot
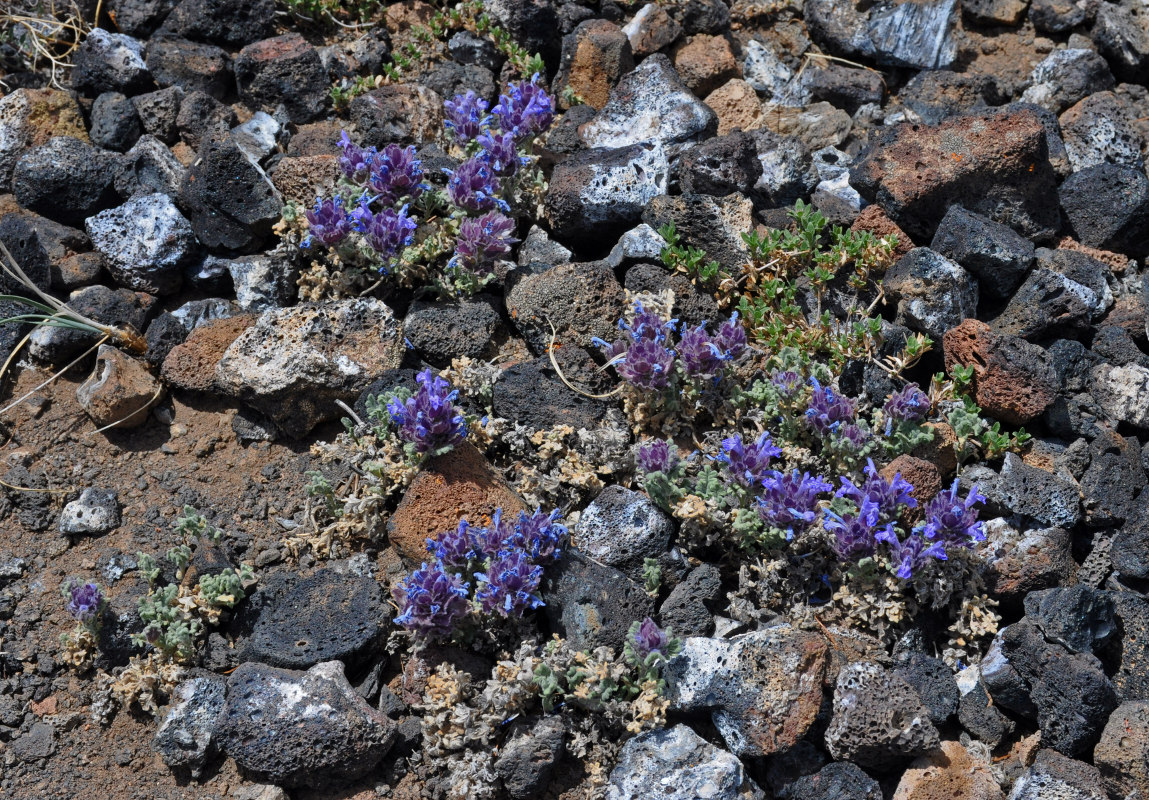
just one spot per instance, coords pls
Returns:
(452, 487)
(705, 62)
(737, 106)
(594, 57)
(923, 475)
(877, 222)
(191, 365)
(1013, 379)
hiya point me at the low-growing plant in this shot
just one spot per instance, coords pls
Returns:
(85, 604)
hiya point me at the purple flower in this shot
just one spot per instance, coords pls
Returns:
(500, 151)
(647, 364)
(433, 602)
(473, 186)
(455, 549)
(731, 338)
(788, 384)
(539, 535)
(912, 553)
(396, 173)
(658, 455)
(909, 404)
(854, 435)
(525, 110)
(354, 162)
(854, 534)
(828, 409)
(649, 638)
(509, 584)
(328, 222)
(466, 116)
(700, 355)
(85, 600)
(429, 419)
(887, 495)
(387, 232)
(789, 502)
(952, 520)
(747, 464)
(647, 325)
(481, 241)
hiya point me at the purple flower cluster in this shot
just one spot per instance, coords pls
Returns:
(481, 241)
(393, 173)
(885, 495)
(328, 223)
(747, 463)
(85, 600)
(908, 404)
(789, 501)
(504, 560)
(856, 535)
(658, 455)
(828, 409)
(473, 186)
(428, 419)
(433, 601)
(500, 150)
(387, 232)
(952, 520)
(466, 116)
(649, 638)
(525, 110)
(788, 384)
(645, 359)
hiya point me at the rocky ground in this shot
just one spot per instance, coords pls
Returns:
(865, 520)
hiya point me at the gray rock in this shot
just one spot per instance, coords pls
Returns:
(592, 605)
(763, 689)
(38, 743)
(230, 201)
(837, 781)
(146, 243)
(879, 722)
(440, 332)
(257, 137)
(527, 758)
(1102, 129)
(1074, 698)
(301, 728)
(978, 715)
(189, 733)
(96, 511)
(1055, 16)
(203, 118)
(685, 610)
(650, 104)
(1055, 777)
(916, 35)
(1119, 35)
(1077, 617)
(294, 363)
(993, 253)
(765, 72)
(788, 171)
(467, 48)
(580, 301)
(327, 616)
(221, 22)
(1107, 206)
(1065, 77)
(195, 313)
(693, 305)
(264, 281)
(937, 94)
(621, 529)
(933, 293)
(39, 245)
(678, 764)
(65, 179)
(110, 62)
(284, 70)
(190, 67)
(115, 123)
(638, 244)
(532, 394)
(602, 190)
(120, 308)
(149, 168)
(1049, 498)
(934, 684)
(712, 224)
(1123, 393)
(538, 248)
(720, 166)
(158, 111)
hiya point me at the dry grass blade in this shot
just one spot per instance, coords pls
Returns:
(51, 34)
(563, 378)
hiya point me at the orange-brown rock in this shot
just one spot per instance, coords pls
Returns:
(923, 475)
(304, 178)
(120, 390)
(705, 62)
(737, 106)
(594, 57)
(1014, 380)
(877, 222)
(948, 773)
(940, 450)
(191, 365)
(458, 485)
